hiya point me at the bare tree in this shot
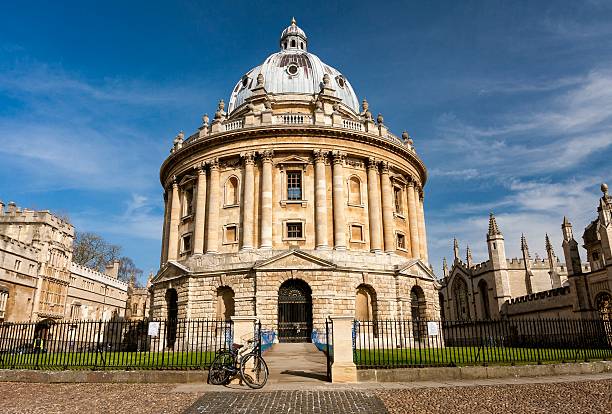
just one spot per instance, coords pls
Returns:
(93, 251)
(128, 271)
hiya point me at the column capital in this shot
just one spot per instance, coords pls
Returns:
(338, 157)
(372, 163)
(174, 183)
(213, 163)
(410, 183)
(248, 158)
(320, 155)
(266, 155)
(200, 168)
(384, 167)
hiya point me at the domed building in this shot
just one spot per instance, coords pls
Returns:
(293, 204)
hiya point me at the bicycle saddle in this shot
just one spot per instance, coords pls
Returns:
(236, 346)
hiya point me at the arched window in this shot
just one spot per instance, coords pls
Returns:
(417, 309)
(302, 45)
(365, 303)
(354, 190)
(293, 43)
(232, 191)
(483, 292)
(603, 301)
(225, 303)
(461, 300)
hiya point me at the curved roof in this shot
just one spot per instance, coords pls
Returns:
(293, 71)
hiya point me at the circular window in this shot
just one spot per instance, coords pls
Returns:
(340, 81)
(292, 69)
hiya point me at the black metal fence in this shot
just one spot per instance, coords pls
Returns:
(114, 344)
(419, 343)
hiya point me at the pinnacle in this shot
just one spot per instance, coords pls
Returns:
(524, 242)
(493, 227)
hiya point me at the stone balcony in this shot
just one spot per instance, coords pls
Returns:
(267, 118)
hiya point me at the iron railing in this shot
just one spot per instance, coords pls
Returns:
(421, 343)
(114, 344)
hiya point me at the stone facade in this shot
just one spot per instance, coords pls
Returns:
(535, 288)
(294, 183)
(39, 281)
(138, 305)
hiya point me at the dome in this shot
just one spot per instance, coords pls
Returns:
(293, 71)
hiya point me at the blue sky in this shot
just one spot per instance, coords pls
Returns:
(509, 103)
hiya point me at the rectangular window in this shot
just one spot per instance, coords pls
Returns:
(17, 264)
(186, 244)
(397, 197)
(231, 234)
(187, 201)
(356, 233)
(401, 241)
(3, 301)
(294, 230)
(294, 185)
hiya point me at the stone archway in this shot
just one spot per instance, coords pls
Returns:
(294, 311)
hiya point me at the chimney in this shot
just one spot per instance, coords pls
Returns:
(112, 269)
(12, 207)
(1, 208)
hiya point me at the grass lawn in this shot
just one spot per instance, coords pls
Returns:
(449, 356)
(109, 360)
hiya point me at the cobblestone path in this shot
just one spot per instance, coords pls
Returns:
(302, 402)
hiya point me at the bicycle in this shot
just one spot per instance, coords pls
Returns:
(239, 359)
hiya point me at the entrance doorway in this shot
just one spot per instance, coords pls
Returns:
(294, 311)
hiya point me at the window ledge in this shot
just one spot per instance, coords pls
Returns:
(357, 241)
(287, 239)
(356, 205)
(188, 217)
(402, 249)
(399, 215)
(230, 205)
(229, 242)
(284, 203)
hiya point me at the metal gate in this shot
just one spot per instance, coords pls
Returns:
(294, 312)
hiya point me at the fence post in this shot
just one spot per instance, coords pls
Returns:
(343, 367)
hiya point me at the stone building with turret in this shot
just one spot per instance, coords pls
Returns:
(531, 287)
(38, 280)
(294, 204)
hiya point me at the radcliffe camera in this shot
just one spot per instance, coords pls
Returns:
(229, 209)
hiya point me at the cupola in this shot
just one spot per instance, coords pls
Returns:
(293, 38)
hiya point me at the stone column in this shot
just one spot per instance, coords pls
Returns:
(374, 206)
(212, 239)
(387, 208)
(248, 201)
(200, 213)
(413, 220)
(175, 212)
(320, 200)
(343, 368)
(164, 251)
(339, 204)
(266, 199)
(421, 224)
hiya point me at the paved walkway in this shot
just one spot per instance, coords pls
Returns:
(293, 363)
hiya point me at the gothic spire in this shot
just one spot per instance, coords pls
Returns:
(468, 255)
(493, 227)
(455, 248)
(524, 246)
(444, 267)
(549, 247)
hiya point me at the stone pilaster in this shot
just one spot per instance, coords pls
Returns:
(413, 220)
(421, 225)
(164, 252)
(175, 212)
(248, 206)
(213, 208)
(320, 200)
(200, 213)
(387, 208)
(339, 204)
(266, 199)
(374, 206)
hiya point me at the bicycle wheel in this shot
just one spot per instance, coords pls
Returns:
(218, 374)
(254, 371)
